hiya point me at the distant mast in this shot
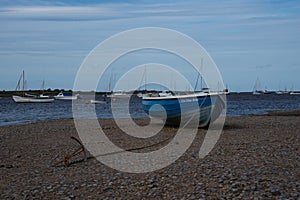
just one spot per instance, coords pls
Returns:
(23, 83)
(145, 78)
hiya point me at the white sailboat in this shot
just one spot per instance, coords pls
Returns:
(44, 95)
(257, 88)
(26, 98)
(293, 92)
(116, 94)
(144, 83)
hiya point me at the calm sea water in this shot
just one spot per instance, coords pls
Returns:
(237, 104)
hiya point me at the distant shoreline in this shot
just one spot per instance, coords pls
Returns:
(9, 93)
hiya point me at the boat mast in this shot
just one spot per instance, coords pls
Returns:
(109, 83)
(201, 83)
(257, 85)
(145, 78)
(201, 86)
(196, 82)
(23, 84)
(43, 87)
(18, 87)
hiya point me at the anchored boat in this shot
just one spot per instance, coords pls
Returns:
(65, 96)
(28, 98)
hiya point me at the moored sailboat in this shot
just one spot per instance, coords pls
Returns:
(257, 88)
(27, 98)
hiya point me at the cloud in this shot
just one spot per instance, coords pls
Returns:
(58, 12)
(232, 12)
(237, 33)
(263, 66)
(104, 11)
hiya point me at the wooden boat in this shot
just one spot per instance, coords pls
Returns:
(174, 109)
(27, 98)
(20, 99)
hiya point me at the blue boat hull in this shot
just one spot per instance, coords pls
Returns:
(182, 109)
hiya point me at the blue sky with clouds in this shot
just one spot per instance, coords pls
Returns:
(246, 39)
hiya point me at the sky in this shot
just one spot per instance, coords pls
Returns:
(247, 39)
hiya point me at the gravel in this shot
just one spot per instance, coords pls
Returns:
(257, 157)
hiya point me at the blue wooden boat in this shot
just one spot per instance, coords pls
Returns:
(179, 108)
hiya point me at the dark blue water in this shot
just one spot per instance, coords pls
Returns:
(237, 104)
(248, 104)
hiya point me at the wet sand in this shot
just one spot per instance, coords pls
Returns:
(256, 156)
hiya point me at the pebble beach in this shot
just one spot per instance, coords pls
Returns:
(256, 157)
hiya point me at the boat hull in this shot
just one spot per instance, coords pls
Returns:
(62, 96)
(295, 93)
(97, 102)
(19, 99)
(119, 96)
(177, 109)
(66, 98)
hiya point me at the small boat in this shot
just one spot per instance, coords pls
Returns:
(295, 93)
(44, 96)
(292, 92)
(174, 109)
(29, 98)
(118, 94)
(279, 92)
(257, 92)
(96, 101)
(267, 92)
(66, 96)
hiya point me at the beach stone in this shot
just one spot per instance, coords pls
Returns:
(49, 187)
(34, 192)
(275, 192)
(138, 193)
(9, 166)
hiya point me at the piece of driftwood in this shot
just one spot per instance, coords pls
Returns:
(76, 152)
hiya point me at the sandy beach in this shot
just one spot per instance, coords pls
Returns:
(256, 157)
